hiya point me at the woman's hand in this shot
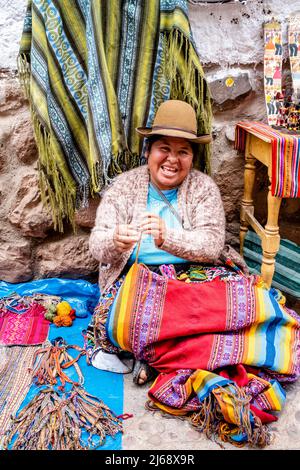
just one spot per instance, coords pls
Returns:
(125, 237)
(155, 226)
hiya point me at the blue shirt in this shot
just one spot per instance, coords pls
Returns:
(149, 253)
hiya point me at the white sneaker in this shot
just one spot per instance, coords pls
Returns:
(110, 362)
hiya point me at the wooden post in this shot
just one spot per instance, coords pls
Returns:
(247, 201)
(271, 240)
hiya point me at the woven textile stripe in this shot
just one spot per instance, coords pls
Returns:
(285, 156)
(27, 328)
(15, 379)
(287, 271)
(94, 71)
(232, 323)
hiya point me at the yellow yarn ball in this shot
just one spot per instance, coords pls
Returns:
(63, 308)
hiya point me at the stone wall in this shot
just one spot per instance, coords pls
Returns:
(230, 44)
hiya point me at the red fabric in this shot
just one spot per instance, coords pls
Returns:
(263, 415)
(236, 373)
(191, 322)
(28, 328)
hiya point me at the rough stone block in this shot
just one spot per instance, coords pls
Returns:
(15, 261)
(86, 217)
(11, 95)
(66, 257)
(28, 212)
(229, 88)
(22, 140)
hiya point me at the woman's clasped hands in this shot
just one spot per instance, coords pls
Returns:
(127, 235)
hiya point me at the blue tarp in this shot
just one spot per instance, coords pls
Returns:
(82, 296)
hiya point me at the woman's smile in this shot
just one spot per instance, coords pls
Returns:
(169, 161)
(168, 170)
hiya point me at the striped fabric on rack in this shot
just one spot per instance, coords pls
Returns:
(285, 156)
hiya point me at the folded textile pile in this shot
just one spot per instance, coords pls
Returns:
(223, 362)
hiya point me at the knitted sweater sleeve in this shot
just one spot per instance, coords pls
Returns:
(204, 241)
(111, 211)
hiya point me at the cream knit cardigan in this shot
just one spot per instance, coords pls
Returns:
(199, 203)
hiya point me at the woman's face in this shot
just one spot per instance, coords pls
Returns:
(169, 161)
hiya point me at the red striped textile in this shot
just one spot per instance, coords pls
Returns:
(28, 328)
(285, 156)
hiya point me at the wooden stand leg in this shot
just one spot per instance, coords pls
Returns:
(247, 201)
(271, 240)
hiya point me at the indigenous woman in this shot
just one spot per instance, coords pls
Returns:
(176, 308)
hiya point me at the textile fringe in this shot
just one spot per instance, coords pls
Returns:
(188, 83)
(210, 420)
(99, 328)
(57, 194)
(24, 73)
(52, 421)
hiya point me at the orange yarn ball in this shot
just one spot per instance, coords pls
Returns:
(66, 320)
(57, 321)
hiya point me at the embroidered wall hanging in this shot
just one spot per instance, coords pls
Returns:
(92, 74)
(273, 69)
(294, 54)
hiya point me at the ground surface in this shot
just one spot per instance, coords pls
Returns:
(151, 431)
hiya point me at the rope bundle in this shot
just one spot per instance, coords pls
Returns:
(54, 422)
(49, 368)
(56, 419)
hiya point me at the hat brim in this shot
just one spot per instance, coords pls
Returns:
(202, 139)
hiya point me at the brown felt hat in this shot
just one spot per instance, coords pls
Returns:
(175, 118)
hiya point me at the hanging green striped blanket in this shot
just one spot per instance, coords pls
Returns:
(93, 72)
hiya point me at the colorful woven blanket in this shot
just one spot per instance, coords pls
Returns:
(285, 156)
(221, 348)
(23, 324)
(93, 73)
